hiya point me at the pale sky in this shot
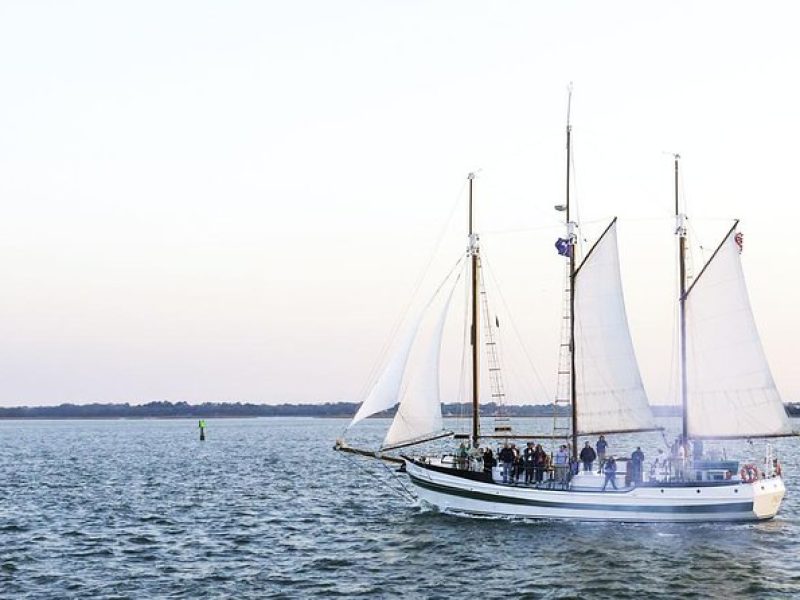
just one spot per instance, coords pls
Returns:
(232, 201)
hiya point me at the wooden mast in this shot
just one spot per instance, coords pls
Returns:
(681, 232)
(571, 242)
(474, 335)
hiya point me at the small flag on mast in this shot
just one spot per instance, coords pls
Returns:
(563, 247)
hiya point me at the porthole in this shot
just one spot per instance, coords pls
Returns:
(698, 491)
(662, 491)
(735, 491)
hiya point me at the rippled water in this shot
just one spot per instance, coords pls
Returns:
(265, 509)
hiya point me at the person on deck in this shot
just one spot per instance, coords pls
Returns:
(507, 459)
(611, 472)
(518, 466)
(637, 461)
(588, 456)
(680, 463)
(602, 444)
(562, 463)
(658, 466)
(540, 462)
(528, 460)
(463, 456)
(697, 449)
(488, 460)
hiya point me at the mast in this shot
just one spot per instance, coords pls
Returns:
(681, 232)
(473, 250)
(571, 238)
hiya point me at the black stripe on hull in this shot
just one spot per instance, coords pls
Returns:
(732, 507)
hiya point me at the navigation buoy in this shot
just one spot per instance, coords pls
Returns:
(202, 425)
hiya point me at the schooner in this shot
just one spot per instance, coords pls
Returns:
(727, 391)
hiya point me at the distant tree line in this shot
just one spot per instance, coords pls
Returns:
(239, 409)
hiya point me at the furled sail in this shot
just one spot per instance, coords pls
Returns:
(731, 392)
(609, 389)
(419, 416)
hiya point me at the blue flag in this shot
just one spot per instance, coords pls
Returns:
(563, 247)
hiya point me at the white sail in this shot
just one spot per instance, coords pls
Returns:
(731, 392)
(385, 392)
(610, 393)
(420, 413)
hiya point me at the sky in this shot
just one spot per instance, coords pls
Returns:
(234, 201)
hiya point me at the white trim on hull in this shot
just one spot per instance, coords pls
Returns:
(755, 501)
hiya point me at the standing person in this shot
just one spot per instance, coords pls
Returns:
(680, 471)
(463, 456)
(611, 472)
(588, 456)
(540, 462)
(697, 449)
(528, 460)
(602, 444)
(657, 468)
(637, 461)
(507, 459)
(562, 463)
(488, 461)
(518, 466)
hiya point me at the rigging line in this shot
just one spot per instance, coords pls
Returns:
(393, 473)
(514, 327)
(508, 366)
(371, 474)
(555, 227)
(574, 186)
(462, 374)
(404, 312)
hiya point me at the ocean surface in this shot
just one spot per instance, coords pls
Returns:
(265, 509)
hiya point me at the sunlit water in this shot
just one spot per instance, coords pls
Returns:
(264, 509)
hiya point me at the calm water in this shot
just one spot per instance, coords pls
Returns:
(265, 509)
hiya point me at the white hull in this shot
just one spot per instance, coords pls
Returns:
(734, 501)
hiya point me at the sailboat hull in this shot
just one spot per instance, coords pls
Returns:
(733, 501)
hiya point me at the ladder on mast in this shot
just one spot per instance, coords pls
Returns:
(562, 404)
(502, 423)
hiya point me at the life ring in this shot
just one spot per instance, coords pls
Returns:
(749, 473)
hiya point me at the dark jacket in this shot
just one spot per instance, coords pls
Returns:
(507, 455)
(528, 456)
(588, 454)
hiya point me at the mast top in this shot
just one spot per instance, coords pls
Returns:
(569, 106)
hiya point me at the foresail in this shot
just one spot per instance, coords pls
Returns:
(386, 390)
(731, 392)
(420, 413)
(609, 389)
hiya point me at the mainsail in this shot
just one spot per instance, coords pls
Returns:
(731, 392)
(609, 389)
